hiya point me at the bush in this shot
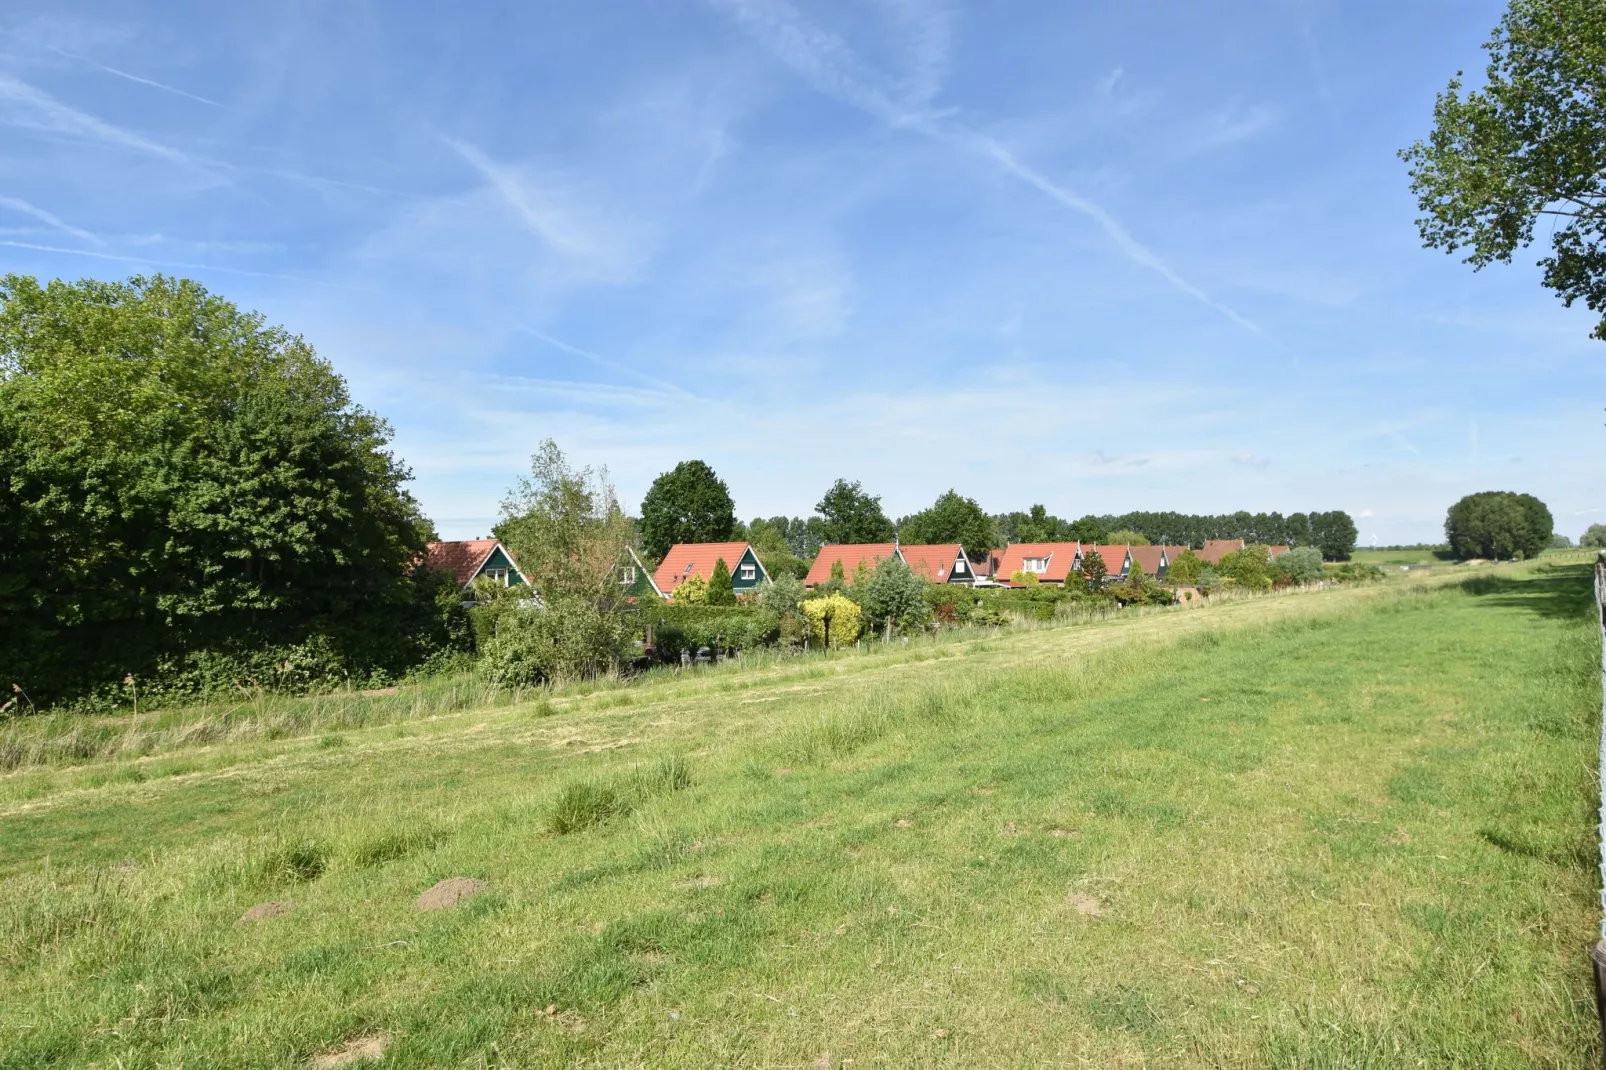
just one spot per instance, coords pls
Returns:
(1021, 578)
(563, 640)
(1354, 572)
(1186, 569)
(1248, 568)
(677, 628)
(843, 616)
(1302, 565)
(693, 591)
(720, 591)
(1594, 538)
(893, 596)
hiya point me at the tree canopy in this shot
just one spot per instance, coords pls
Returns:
(851, 515)
(179, 479)
(1528, 146)
(1594, 537)
(1498, 524)
(565, 528)
(951, 518)
(686, 504)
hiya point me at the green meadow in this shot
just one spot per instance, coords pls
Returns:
(1339, 829)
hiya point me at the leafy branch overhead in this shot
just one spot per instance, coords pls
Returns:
(1529, 147)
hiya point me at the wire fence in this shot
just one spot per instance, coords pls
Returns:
(1597, 954)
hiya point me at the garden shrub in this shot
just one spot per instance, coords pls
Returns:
(843, 614)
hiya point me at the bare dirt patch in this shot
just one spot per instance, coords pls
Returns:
(262, 912)
(903, 823)
(449, 893)
(355, 1050)
(707, 880)
(1083, 903)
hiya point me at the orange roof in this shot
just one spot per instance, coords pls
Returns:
(686, 559)
(852, 555)
(1278, 548)
(1215, 549)
(1061, 555)
(1174, 552)
(1148, 557)
(935, 563)
(1114, 558)
(462, 559)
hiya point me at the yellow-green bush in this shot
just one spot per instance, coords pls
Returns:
(843, 613)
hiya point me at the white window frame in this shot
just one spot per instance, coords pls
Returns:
(1037, 565)
(748, 572)
(497, 575)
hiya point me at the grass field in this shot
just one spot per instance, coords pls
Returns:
(1351, 828)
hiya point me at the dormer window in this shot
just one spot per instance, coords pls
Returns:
(1035, 564)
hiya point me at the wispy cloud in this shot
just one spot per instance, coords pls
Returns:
(1232, 126)
(17, 204)
(175, 264)
(612, 365)
(27, 106)
(163, 86)
(833, 68)
(564, 221)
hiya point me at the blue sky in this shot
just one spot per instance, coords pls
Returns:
(1103, 257)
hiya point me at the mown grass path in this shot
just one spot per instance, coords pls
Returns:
(1344, 829)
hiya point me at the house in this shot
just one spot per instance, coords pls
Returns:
(1215, 549)
(1151, 559)
(1172, 553)
(1117, 560)
(687, 559)
(1050, 562)
(470, 559)
(939, 564)
(852, 556)
(635, 578)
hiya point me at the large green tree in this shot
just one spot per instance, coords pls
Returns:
(1528, 147)
(182, 483)
(851, 515)
(689, 503)
(1333, 533)
(951, 518)
(1498, 524)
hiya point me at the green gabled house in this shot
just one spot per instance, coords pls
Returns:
(469, 559)
(635, 578)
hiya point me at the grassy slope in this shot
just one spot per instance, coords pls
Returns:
(1344, 829)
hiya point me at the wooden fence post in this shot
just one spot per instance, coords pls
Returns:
(1597, 954)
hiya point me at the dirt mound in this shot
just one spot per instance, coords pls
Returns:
(356, 1050)
(262, 912)
(450, 892)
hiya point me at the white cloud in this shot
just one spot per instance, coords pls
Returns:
(26, 106)
(17, 204)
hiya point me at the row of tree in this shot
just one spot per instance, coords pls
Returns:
(690, 503)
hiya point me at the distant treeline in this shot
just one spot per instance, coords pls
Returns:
(1331, 532)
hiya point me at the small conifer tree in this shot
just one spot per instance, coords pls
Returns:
(720, 591)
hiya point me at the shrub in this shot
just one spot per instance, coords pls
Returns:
(1126, 538)
(1594, 538)
(835, 614)
(563, 640)
(1302, 565)
(1247, 568)
(1021, 578)
(893, 596)
(693, 591)
(678, 628)
(1186, 569)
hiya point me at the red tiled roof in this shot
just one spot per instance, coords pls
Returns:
(935, 563)
(852, 555)
(686, 559)
(1173, 552)
(1148, 557)
(1114, 558)
(1277, 548)
(462, 559)
(1012, 559)
(1215, 549)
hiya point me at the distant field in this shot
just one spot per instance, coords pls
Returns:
(1399, 557)
(1351, 828)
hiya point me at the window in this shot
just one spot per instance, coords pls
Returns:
(627, 574)
(496, 575)
(749, 572)
(959, 566)
(1035, 564)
